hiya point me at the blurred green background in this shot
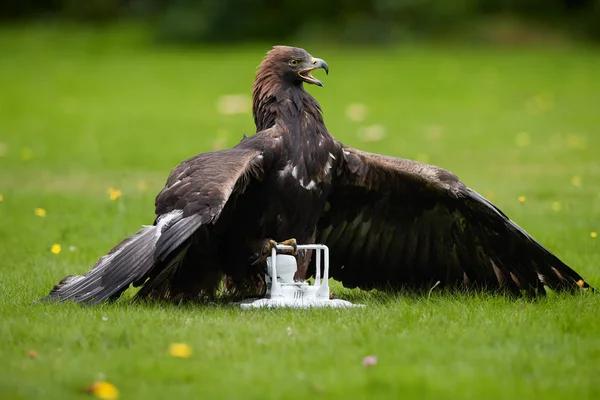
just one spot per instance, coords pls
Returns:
(100, 99)
(373, 21)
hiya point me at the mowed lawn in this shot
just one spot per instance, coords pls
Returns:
(82, 112)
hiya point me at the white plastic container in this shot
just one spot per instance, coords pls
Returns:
(283, 291)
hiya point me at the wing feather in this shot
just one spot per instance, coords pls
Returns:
(194, 196)
(401, 223)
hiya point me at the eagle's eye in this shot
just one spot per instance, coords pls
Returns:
(293, 62)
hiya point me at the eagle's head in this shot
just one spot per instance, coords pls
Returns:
(279, 78)
(292, 65)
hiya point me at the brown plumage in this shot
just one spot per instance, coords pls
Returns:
(390, 223)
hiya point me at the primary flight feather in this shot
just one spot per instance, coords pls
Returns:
(390, 223)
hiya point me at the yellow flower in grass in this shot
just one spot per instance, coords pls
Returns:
(40, 212)
(104, 390)
(1, 198)
(180, 350)
(576, 181)
(593, 235)
(55, 248)
(114, 194)
(522, 199)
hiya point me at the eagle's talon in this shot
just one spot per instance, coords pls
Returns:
(270, 244)
(265, 251)
(291, 242)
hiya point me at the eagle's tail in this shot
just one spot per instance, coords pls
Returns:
(128, 261)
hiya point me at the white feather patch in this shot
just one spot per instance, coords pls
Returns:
(310, 186)
(286, 171)
(327, 167)
(165, 219)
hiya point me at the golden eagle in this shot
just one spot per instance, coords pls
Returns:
(390, 223)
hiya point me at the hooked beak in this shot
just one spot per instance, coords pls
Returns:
(305, 73)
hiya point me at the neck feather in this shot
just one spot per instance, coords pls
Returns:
(277, 102)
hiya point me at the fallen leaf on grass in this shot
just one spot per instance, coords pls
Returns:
(32, 354)
(103, 390)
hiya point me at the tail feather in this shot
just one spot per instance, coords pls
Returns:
(177, 233)
(131, 259)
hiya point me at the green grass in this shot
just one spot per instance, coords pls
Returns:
(82, 111)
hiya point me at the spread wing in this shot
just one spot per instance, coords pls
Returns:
(199, 188)
(398, 223)
(193, 198)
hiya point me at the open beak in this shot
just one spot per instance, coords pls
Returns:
(306, 74)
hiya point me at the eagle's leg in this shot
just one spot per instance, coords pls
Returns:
(302, 259)
(290, 242)
(270, 244)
